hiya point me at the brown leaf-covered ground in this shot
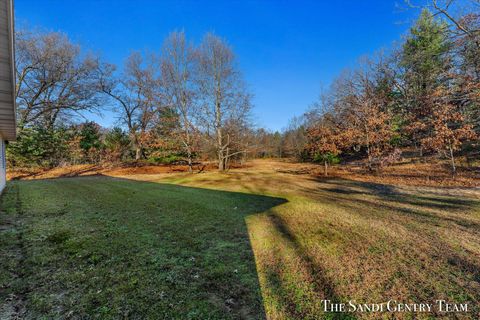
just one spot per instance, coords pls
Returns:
(412, 172)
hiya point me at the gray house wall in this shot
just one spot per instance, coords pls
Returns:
(7, 82)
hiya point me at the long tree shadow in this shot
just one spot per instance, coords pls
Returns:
(423, 207)
(429, 207)
(140, 248)
(424, 213)
(323, 287)
(391, 192)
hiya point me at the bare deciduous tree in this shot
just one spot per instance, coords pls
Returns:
(136, 93)
(54, 79)
(294, 137)
(224, 96)
(179, 66)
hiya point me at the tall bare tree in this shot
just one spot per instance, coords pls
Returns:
(179, 66)
(295, 137)
(136, 93)
(54, 79)
(224, 97)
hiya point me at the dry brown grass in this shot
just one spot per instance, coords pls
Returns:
(434, 173)
(414, 174)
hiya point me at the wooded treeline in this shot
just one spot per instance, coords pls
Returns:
(184, 102)
(189, 102)
(423, 96)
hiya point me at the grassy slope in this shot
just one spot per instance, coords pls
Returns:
(109, 247)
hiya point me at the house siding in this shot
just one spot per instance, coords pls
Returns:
(7, 83)
(3, 165)
(7, 74)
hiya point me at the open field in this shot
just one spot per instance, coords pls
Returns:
(266, 241)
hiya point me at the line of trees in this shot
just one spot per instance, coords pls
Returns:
(423, 95)
(189, 102)
(182, 102)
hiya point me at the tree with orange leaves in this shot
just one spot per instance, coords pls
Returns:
(446, 127)
(324, 141)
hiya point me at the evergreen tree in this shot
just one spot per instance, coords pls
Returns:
(116, 144)
(90, 139)
(425, 55)
(425, 61)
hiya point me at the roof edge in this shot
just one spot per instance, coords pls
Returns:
(11, 35)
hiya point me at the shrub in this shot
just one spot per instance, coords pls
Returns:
(328, 157)
(169, 159)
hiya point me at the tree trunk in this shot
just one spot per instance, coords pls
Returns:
(187, 140)
(452, 158)
(135, 144)
(369, 155)
(189, 159)
(227, 158)
(220, 147)
(221, 162)
(325, 168)
(138, 152)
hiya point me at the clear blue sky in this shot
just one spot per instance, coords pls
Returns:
(287, 50)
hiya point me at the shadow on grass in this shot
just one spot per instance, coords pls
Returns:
(391, 192)
(429, 215)
(393, 199)
(323, 287)
(141, 248)
(428, 208)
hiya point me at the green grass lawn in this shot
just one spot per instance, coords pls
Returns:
(242, 245)
(109, 248)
